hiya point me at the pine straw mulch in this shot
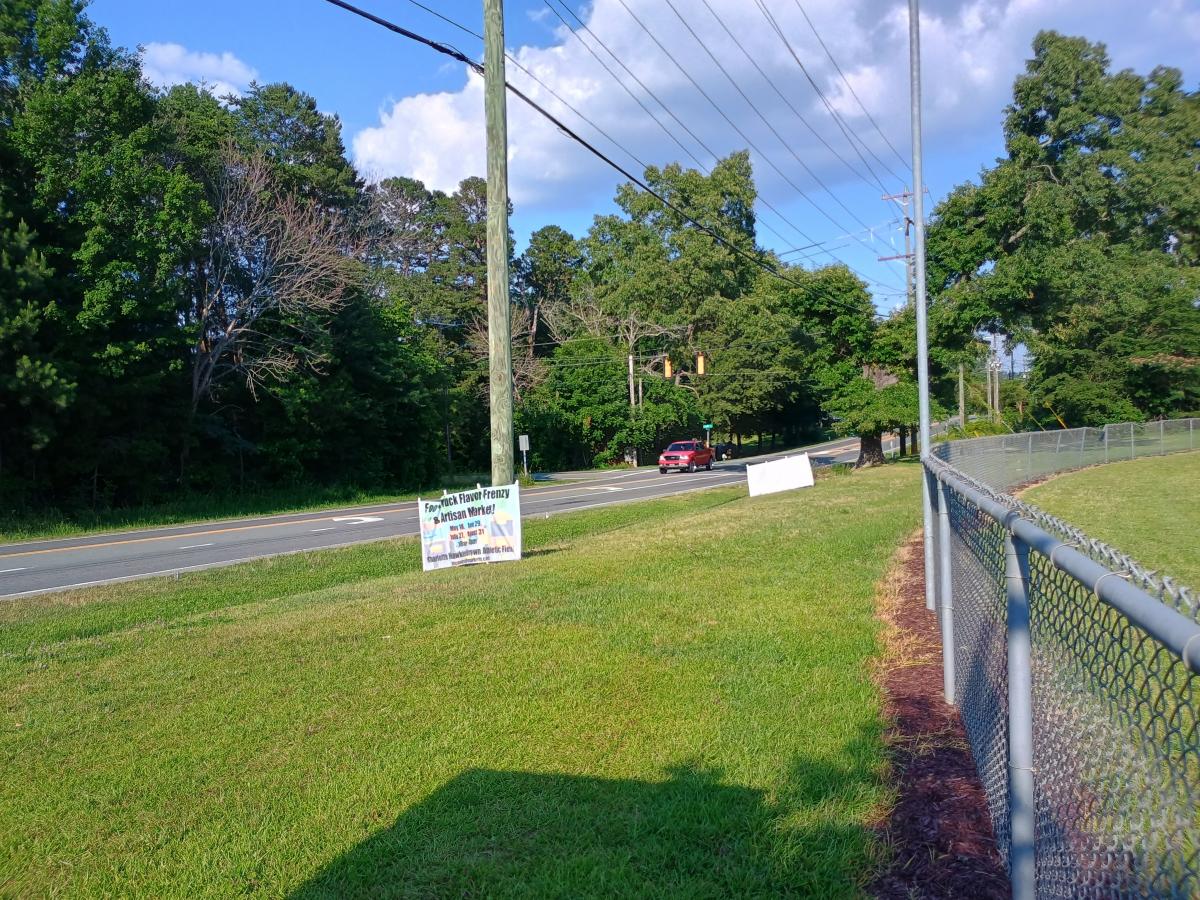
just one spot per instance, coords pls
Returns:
(939, 833)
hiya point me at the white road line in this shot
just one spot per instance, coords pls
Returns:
(315, 530)
(195, 546)
(19, 569)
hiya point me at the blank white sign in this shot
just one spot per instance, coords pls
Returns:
(785, 474)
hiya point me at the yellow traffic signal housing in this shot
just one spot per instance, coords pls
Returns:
(667, 368)
(699, 363)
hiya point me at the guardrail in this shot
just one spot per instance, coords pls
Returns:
(1077, 671)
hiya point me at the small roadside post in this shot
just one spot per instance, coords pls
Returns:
(708, 435)
(523, 442)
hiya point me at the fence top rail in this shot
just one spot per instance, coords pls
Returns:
(1173, 630)
(1070, 446)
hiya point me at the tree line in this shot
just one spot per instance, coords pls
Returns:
(201, 294)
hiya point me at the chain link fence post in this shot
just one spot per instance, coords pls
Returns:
(946, 598)
(1021, 810)
(930, 580)
(1063, 653)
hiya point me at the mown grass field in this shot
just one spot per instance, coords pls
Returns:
(1149, 508)
(663, 699)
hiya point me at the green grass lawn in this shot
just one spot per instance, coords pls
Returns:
(1147, 508)
(664, 699)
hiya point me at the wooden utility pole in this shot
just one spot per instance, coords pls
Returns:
(499, 335)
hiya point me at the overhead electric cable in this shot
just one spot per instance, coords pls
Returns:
(770, 127)
(615, 78)
(456, 54)
(705, 169)
(828, 106)
(600, 130)
(857, 173)
(853, 93)
(544, 86)
(870, 229)
(737, 129)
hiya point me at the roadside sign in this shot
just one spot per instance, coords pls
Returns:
(708, 427)
(523, 442)
(779, 475)
(472, 526)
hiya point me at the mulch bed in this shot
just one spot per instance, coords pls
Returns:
(939, 834)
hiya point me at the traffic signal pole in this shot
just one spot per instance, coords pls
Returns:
(499, 335)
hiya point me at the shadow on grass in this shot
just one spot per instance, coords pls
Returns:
(541, 551)
(490, 833)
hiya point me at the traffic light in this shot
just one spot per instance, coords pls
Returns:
(667, 367)
(699, 363)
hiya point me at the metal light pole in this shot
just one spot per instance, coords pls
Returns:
(962, 396)
(499, 336)
(914, 56)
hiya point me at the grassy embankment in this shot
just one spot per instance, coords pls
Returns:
(1148, 508)
(667, 699)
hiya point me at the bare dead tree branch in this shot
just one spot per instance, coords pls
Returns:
(528, 370)
(277, 269)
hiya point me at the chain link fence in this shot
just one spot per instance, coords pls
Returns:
(1075, 670)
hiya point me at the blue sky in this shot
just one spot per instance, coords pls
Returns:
(406, 110)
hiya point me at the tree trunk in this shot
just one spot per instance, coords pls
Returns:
(903, 432)
(870, 451)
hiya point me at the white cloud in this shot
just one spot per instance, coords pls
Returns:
(168, 64)
(972, 50)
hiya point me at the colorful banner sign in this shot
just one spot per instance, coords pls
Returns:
(473, 526)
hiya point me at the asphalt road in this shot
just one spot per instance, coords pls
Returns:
(36, 567)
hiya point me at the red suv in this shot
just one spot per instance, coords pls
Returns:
(690, 455)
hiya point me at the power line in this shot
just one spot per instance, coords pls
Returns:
(869, 229)
(643, 164)
(655, 118)
(853, 94)
(454, 53)
(614, 77)
(711, 102)
(782, 96)
(600, 130)
(546, 87)
(772, 129)
(735, 127)
(829, 107)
